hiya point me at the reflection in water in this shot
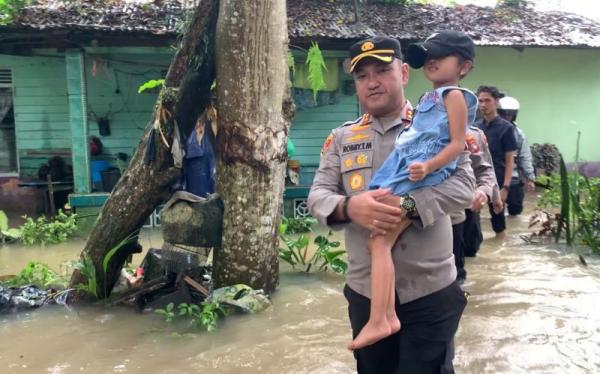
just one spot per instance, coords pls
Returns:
(533, 309)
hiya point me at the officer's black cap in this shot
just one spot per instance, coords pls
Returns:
(379, 47)
(438, 45)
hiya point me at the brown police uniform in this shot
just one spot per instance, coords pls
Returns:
(466, 228)
(423, 254)
(481, 163)
(429, 303)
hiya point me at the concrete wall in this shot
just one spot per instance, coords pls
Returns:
(559, 92)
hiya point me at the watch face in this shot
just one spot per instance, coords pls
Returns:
(408, 204)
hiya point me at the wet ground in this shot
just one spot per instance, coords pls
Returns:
(532, 309)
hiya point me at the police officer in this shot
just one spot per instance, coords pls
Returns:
(466, 228)
(500, 135)
(523, 171)
(429, 301)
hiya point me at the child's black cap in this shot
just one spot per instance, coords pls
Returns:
(438, 45)
(379, 47)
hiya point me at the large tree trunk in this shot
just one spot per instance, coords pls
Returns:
(252, 90)
(145, 184)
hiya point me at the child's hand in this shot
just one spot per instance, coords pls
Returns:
(418, 171)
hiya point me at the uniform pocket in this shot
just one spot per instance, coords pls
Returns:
(356, 170)
(357, 180)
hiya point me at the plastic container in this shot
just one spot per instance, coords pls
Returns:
(110, 177)
(97, 167)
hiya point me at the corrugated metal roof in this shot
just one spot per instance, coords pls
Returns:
(335, 20)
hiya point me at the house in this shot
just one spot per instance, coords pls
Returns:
(70, 70)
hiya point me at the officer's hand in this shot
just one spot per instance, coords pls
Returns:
(479, 200)
(417, 171)
(530, 186)
(504, 194)
(368, 211)
(498, 206)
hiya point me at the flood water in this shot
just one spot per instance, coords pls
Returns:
(532, 309)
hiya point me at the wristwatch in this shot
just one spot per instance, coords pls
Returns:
(408, 204)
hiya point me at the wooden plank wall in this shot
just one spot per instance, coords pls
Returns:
(41, 108)
(113, 82)
(42, 111)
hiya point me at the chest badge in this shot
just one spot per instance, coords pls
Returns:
(356, 181)
(357, 137)
(361, 159)
(348, 162)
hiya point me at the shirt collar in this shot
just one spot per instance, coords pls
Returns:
(384, 124)
(493, 121)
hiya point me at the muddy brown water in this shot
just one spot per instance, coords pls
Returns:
(532, 309)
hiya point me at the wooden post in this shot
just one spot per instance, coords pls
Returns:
(51, 195)
(76, 88)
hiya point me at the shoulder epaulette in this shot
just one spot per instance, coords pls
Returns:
(362, 120)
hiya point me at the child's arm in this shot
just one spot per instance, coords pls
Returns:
(456, 107)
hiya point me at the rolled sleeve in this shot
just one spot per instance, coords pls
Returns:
(483, 169)
(452, 195)
(326, 192)
(526, 160)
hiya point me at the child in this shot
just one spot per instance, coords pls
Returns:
(424, 155)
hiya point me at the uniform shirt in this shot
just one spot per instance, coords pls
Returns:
(501, 138)
(420, 141)
(523, 169)
(422, 255)
(481, 162)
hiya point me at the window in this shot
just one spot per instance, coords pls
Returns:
(8, 147)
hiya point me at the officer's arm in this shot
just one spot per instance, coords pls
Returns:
(485, 178)
(452, 195)
(526, 160)
(326, 193)
(509, 145)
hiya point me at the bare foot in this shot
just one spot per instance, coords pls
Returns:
(371, 333)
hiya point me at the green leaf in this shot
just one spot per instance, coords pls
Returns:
(565, 211)
(12, 233)
(150, 84)
(302, 241)
(332, 255)
(170, 307)
(316, 68)
(339, 266)
(291, 63)
(114, 250)
(3, 221)
(282, 228)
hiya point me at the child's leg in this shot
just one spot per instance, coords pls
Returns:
(383, 320)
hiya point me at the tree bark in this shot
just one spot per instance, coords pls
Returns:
(144, 185)
(254, 114)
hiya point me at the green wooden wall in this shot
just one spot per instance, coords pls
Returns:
(41, 107)
(311, 126)
(42, 110)
(559, 90)
(113, 79)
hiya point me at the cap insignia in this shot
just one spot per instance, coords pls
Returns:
(367, 46)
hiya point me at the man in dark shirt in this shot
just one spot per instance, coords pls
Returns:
(503, 144)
